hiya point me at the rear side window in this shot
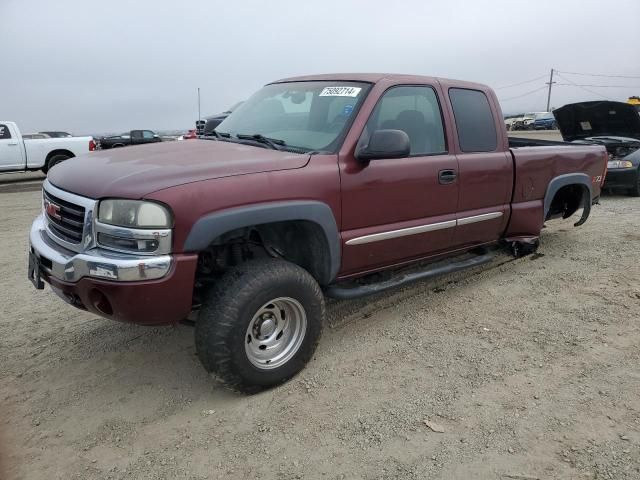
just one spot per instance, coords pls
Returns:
(474, 120)
(4, 132)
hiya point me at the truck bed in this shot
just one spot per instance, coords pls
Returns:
(536, 163)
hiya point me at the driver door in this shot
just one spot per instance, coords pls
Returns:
(11, 151)
(397, 210)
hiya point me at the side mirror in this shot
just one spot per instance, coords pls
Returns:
(385, 144)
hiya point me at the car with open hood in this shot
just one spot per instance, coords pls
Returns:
(616, 126)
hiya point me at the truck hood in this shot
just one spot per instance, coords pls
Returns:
(134, 172)
(597, 119)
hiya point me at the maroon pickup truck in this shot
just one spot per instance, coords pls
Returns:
(338, 185)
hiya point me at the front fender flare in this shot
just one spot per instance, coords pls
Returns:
(211, 226)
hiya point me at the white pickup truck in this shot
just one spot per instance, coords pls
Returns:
(18, 154)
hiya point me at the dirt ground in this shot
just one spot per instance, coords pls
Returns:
(530, 367)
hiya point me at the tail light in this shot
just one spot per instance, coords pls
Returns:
(92, 145)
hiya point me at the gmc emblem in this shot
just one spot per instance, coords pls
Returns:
(52, 210)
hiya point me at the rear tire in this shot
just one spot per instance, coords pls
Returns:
(260, 324)
(56, 159)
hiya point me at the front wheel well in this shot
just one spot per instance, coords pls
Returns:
(301, 242)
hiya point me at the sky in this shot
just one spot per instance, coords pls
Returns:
(111, 66)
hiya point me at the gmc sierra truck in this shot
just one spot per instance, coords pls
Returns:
(18, 154)
(338, 185)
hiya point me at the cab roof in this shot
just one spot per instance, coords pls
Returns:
(378, 77)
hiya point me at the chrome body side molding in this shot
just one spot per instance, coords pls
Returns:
(403, 232)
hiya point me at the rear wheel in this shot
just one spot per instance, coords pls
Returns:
(260, 324)
(56, 159)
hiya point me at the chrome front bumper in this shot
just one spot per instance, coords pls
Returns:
(69, 266)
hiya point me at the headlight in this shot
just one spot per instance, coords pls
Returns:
(134, 214)
(619, 164)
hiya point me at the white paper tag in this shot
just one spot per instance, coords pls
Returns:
(585, 125)
(340, 91)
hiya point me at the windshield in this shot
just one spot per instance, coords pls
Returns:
(308, 116)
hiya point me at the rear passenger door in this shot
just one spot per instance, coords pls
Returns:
(485, 174)
(395, 210)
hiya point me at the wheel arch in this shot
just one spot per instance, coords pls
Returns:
(280, 221)
(60, 151)
(568, 185)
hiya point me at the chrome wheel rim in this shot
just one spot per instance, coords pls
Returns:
(275, 333)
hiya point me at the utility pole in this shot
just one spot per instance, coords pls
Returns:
(551, 82)
(199, 117)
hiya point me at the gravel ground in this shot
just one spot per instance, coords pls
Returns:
(525, 368)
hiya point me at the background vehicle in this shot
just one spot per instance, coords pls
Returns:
(190, 135)
(635, 101)
(315, 184)
(19, 154)
(208, 124)
(135, 137)
(509, 121)
(545, 121)
(54, 134)
(616, 126)
(525, 122)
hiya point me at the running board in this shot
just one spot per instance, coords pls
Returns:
(346, 292)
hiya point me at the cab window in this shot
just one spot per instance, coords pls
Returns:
(474, 120)
(4, 132)
(415, 111)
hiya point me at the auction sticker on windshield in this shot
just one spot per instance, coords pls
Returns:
(340, 91)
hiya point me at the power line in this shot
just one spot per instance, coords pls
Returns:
(600, 86)
(585, 89)
(569, 83)
(524, 94)
(521, 83)
(599, 75)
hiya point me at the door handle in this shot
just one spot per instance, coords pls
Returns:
(12, 144)
(447, 176)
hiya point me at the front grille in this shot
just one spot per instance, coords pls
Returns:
(69, 227)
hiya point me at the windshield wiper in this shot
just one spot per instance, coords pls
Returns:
(274, 143)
